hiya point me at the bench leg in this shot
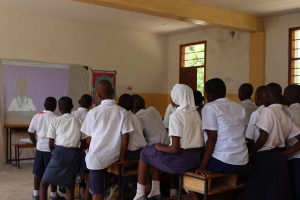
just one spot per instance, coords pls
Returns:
(18, 157)
(206, 189)
(16, 160)
(120, 183)
(180, 187)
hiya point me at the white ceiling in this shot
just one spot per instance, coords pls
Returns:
(262, 8)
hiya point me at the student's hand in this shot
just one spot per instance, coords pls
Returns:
(126, 162)
(159, 146)
(203, 172)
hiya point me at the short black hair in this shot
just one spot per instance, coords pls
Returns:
(126, 101)
(139, 103)
(65, 103)
(216, 86)
(135, 95)
(86, 100)
(247, 89)
(294, 89)
(260, 90)
(198, 98)
(275, 89)
(50, 103)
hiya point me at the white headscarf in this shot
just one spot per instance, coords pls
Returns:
(183, 96)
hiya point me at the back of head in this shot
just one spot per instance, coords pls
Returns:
(260, 90)
(139, 103)
(198, 97)
(50, 103)
(86, 101)
(294, 92)
(126, 101)
(65, 104)
(247, 90)
(135, 95)
(274, 89)
(105, 89)
(216, 87)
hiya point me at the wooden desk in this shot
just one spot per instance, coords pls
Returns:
(13, 129)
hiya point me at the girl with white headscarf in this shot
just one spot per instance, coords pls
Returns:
(184, 152)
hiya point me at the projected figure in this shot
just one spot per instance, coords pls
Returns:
(21, 103)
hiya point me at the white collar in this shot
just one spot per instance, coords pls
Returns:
(47, 111)
(276, 105)
(222, 99)
(294, 104)
(247, 101)
(108, 101)
(67, 114)
(262, 106)
(83, 109)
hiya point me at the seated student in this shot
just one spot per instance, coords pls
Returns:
(198, 101)
(223, 121)
(64, 131)
(108, 127)
(291, 98)
(183, 154)
(155, 130)
(245, 93)
(38, 128)
(270, 176)
(85, 103)
(252, 132)
(169, 111)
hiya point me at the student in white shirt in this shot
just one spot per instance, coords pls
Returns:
(38, 128)
(252, 132)
(108, 127)
(198, 101)
(183, 154)
(245, 92)
(291, 98)
(85, 104)
(226, 150)
(270, 177)
(155, 130)
(169, 111)
(64, 139)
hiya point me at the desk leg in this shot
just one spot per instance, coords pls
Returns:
(18, 158)
(206, 189)
(6, 130)
(180, 187)
(120, 183)
(10, 144)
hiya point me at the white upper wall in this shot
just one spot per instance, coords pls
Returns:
(277, 41)
(227, 55)
(140, 58)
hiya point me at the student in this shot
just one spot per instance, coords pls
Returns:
(198, 101)
(155, 130)
(38, 129)
(108, 127)
(85, 103)
(291, 98)
(226, 150)
(169, 111)
(64, 131)
(245, 93)
(252, 132)
(184, 152)
(270, 177)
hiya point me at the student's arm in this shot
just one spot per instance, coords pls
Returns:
(88, 140)
(173, 149)
(125, 140)
(260, 141)
(32, 138)
(82, 145)
(210, 146)
(51, 144)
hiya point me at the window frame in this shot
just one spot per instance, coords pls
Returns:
(290, 54)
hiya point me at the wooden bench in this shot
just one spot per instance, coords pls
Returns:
(17, 152)
(118, 169)
(214, 184)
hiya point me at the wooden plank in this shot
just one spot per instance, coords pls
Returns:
(193, 184)
(24, 145)
(213, 175)
(188, 11)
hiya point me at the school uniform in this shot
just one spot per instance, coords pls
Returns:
(293, 111)
(155, 130)
(185, 123)
(252, 131)
(80, 113)
(65, 161)
(39, 125)
(169, 111)
(230, 155)
(105, 124)
(270, 176)
(249, 107)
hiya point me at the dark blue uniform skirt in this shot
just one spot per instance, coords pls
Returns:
(269, 179)
(294, 168)
(186, 161)
(63, 167)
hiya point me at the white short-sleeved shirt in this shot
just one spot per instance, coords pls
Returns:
(80, 113)
(187, 126)
(155, 130)
(39, 125)
(252, 131)
(278, 125)
(226, 117)
(169, 111)
(249, 107)
(65, 130)
(136, 137)
(105, 124)
(293, 111)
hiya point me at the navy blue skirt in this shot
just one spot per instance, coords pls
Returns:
(63, 167)
(269, 179)
(218, 166)
(186, 161)
(294, 169)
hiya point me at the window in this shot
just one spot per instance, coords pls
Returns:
(294, 56)
(192, 65)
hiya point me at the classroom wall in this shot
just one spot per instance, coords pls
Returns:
(226, 55)
(277, 41)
